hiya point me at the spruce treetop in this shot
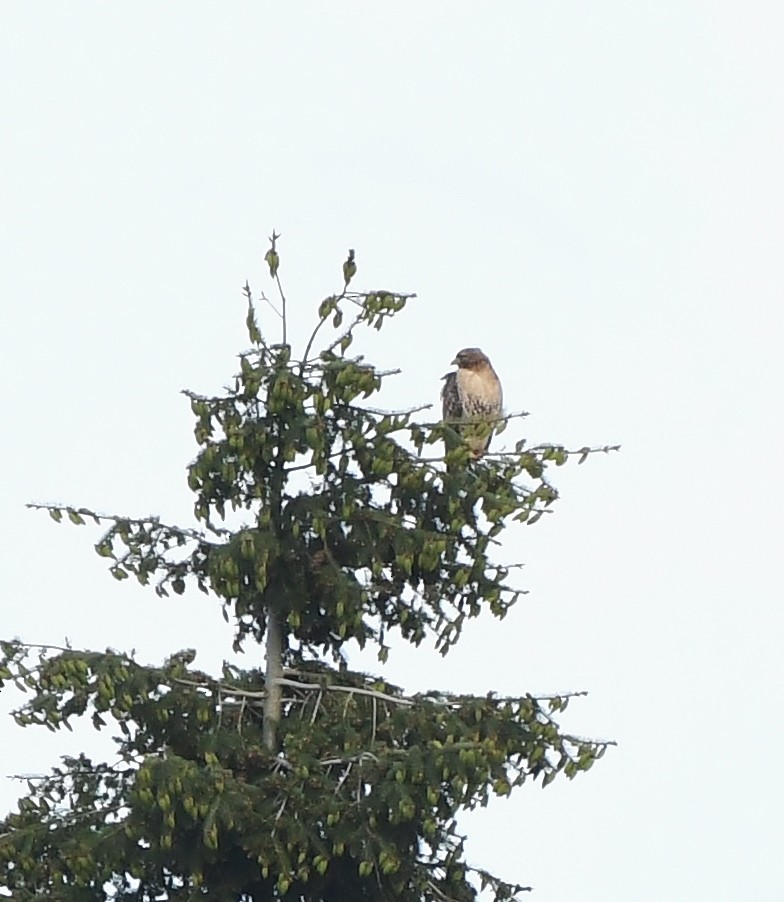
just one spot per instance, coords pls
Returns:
(321, 519)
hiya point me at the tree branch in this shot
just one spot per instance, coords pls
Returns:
(478, 420)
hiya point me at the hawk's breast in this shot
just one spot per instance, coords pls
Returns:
(480, 392)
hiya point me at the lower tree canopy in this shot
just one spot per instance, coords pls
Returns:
(359, 801)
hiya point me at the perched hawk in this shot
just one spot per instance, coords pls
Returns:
(473, 393)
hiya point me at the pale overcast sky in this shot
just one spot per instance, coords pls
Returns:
(593, 193)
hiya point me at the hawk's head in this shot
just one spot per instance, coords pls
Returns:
(471, 359)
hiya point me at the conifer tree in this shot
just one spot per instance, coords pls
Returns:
(321, 522)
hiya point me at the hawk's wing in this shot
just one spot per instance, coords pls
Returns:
(451, 402)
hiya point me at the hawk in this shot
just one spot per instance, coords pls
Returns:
(472, 393)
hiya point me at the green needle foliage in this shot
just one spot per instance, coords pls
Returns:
(321, 520)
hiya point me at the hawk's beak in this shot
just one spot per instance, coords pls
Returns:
(454, 362)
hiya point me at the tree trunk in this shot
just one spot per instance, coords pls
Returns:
(272, 701)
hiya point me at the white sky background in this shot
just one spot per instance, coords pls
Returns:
(593, 193)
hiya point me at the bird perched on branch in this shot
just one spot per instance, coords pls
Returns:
(472, 394)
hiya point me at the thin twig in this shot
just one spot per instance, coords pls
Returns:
(316, 708)
(220, 709)
(344, 777)
(243, 704)
(372, 693)
(279, 815)
(547, 697)
(584, 740)
(265, 298)
(441, 895)
(358, 758)
(282, 763)
(283, 302)
(319, 324)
